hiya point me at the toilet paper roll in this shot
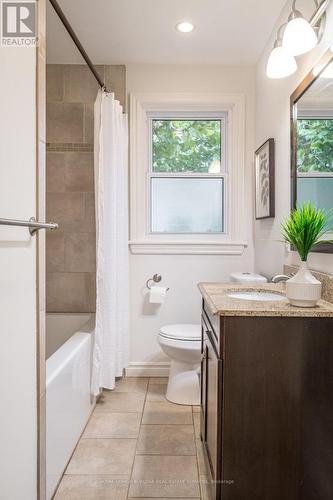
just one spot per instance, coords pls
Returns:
(157, 294)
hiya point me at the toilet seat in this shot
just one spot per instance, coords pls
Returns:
(183, 332)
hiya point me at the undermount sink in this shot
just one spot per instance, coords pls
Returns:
(262, 296)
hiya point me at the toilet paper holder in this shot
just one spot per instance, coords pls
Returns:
(157, 278)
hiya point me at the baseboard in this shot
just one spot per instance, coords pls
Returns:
(148, 369)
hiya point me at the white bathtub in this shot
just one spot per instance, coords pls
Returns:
(68, 400)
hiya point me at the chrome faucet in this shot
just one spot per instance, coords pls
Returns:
(280, 277)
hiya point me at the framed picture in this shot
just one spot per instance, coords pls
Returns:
(264, 180)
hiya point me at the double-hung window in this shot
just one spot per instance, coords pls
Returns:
(187, 173)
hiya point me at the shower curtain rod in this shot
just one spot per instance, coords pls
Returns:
(77, 42)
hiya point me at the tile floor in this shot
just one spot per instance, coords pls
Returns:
(137, 445)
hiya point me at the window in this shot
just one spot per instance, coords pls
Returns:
(187, 174)
(315, 161)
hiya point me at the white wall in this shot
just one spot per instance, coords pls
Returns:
(273, 120)
(182, 273)
(18, 429)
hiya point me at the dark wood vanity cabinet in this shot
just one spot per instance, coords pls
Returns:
(267, 406)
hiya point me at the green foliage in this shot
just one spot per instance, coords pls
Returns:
(186, 145)
(305, 228)
(315, 145)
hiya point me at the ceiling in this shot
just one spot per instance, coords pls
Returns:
(232, 32)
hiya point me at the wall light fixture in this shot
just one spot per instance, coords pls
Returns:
(294, 38)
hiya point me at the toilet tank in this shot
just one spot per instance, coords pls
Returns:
(247, 278)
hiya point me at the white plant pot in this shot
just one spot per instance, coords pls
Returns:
(303, 289)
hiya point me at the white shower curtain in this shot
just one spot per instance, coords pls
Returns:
(111, 349)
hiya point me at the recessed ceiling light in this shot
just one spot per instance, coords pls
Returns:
(185, 27)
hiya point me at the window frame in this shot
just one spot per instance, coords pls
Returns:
(313, 115)
(221, 116)
(237, 224)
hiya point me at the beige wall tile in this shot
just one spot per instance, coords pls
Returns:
(80, 252)
(67, 209)
(115, 79)
(91, 291)
(71, 92)
(79, 172)
(55, 172)
(77, 159)
(89, 199)
(67, 292)
(64, 122)
(55, 251)
(103, 456)
(80, 84)
(54, 82)
(89, 123)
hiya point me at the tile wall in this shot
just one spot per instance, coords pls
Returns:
(70, 251)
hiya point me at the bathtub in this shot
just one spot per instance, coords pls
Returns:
(68, 400)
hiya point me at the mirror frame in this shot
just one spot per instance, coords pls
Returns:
(310, 78)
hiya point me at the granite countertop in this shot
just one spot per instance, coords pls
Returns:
(215, 295)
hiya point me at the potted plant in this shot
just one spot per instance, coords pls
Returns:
(304, 230)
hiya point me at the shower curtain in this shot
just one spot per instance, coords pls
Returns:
(111, 344)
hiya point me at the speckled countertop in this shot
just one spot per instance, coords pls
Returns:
(215, 295)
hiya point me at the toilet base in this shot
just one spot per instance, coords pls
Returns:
(183, 385)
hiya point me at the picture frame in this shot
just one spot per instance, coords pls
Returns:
(265, 180)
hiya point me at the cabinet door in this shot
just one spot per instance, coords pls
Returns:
(212, 407)
(211, 378)
(203, 381)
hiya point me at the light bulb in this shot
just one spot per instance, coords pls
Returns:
(280, 63)
(299, 37)
(185, 27)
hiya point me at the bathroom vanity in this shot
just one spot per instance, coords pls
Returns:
(266, 396)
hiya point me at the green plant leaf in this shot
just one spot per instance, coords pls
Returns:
(306, 227)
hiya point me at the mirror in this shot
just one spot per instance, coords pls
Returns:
(312, 139)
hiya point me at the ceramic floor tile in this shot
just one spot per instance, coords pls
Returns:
(166, 440)
(156, 392)
(103, 456)
(132, 385)
(120, 402)
(158, 380)
(113, 425)
(200, 457)
(92, 488)
(205, 488)
(164, 476)
(196, 420)
(163, 412)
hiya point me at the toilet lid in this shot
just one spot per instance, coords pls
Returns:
(181, 332)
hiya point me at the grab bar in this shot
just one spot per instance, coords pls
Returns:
(32, 224)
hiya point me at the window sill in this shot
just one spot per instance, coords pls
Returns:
(144, 247)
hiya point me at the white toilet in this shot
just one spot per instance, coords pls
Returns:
(182, 343)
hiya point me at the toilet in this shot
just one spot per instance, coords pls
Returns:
(182, 343)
